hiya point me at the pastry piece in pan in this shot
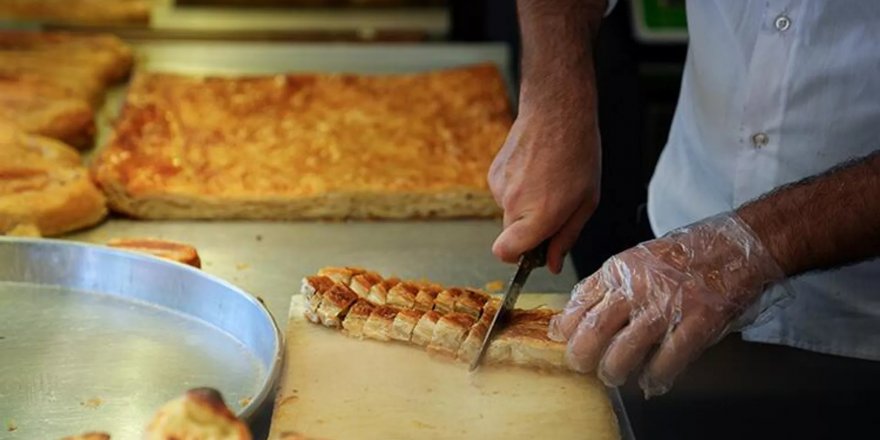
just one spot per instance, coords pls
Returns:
(445, 301)
(449, 332)
(353, 324)
(471, 302)
(379, 324)
(402, 295)
(341, 274)
(379, 291)
(169, 250)
(199, 414)
(362, 283)
(424, 329)
(404, 323)
(334, 303)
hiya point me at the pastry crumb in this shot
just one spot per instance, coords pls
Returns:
(242, 266)
(92, 403)
(494, 286)
(244, 401)
(11, 425)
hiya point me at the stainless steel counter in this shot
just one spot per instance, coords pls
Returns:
(268, 259)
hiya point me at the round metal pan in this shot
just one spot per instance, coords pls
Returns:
(94, 338)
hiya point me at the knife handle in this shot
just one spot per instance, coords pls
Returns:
(536, 257)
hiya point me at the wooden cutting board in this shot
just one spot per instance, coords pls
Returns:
(338, 388)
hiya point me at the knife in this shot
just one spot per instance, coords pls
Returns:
(528, 261)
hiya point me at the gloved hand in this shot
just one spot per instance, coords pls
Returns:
(681, 292)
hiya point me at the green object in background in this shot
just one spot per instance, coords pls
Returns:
(659, 21)
(665, 14)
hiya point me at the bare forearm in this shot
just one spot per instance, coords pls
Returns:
(557, 55)
(824, 221)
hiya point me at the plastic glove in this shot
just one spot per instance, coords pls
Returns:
(681, 292)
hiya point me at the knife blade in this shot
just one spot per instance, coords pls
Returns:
(528, 261)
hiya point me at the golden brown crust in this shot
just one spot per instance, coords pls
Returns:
(414, 145)
(69, 120)
(402, 295)
(379, 292)
(378, 325)
(425, 298)
(471, 302)
(458, 335)
(340, 274)
(404, 323)
(50, 82)
(316, 284)
(424, 329)
(334, 303)
(449, 332)
(169, 250)
(445, 300)
(362, 283)
(89, 436)
(43, 187)
(357, 316)
(94, 12)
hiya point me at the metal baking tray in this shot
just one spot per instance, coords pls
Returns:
(94, 338)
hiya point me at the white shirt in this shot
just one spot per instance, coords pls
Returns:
(775, 91)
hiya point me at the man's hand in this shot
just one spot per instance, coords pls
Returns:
(546, 176)
(680, 292)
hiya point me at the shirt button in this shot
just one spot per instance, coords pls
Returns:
(760, 139)
(782, 23)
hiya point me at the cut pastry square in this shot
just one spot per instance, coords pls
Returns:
(341, 274)
(362, 283)
(449, 332)
(353, 324)
(379, 324)
(379, 292)
(402, 295)
(529, 346)
(424, 329)
(425, 298)
(472, 343)
(404, 323)
(315, 284)
(334, 303)
(471, 302)
(445, 301)
(535, 318)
